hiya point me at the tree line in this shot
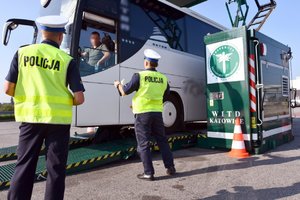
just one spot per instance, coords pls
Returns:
(6, 107)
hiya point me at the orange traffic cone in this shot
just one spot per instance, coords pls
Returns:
(238, 149)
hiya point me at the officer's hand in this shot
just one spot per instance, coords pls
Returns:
(116, 83)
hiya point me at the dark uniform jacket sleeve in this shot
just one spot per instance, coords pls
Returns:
(13, 72)
(167, 92)
(132, 85)
(73, 78)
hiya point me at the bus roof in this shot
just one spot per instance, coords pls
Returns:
(195, 15)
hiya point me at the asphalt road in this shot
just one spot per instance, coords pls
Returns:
(202, 174)
(9, 132)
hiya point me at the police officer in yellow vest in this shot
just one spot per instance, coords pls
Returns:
(147, 103)
(39, 80)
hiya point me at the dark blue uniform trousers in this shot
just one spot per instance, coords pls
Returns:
(147, 125)
(32, 136)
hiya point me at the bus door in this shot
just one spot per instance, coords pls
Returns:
(98, 68)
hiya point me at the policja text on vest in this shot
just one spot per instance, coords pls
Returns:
(41, 62)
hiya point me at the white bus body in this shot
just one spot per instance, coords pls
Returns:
(176, 33)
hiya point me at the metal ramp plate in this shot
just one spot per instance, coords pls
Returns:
(96, 155)
(9, 153)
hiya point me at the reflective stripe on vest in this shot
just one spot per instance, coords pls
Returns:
(41, 94)
(149, 97)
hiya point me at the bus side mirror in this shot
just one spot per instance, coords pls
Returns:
(8, 27)
(12, 24)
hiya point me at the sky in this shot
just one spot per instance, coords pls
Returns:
(282, 26)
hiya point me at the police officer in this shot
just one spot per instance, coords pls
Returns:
(147, 103)
(38, 79)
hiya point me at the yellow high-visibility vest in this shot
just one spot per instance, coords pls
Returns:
(41, 94)
(149, 97)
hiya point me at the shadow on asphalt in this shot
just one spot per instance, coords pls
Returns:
(242, 164)
(253, 161)
(248, 192)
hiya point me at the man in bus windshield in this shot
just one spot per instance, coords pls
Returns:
(98, 54)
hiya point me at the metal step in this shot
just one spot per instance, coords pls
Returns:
(253, 24)
(260, 16)
(9, 153)
(97, 155)
(265, 10)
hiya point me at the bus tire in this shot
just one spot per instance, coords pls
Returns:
(173, 114)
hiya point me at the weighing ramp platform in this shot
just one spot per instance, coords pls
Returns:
(9, 153)
(92, 156)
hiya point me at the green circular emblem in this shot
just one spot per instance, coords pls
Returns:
(224, 61)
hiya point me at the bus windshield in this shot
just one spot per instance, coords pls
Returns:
(97, 44)
(64, 8)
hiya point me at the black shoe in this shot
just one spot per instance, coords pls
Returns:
(171, 171)
(145, 177)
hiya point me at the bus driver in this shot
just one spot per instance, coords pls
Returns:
(98, 54)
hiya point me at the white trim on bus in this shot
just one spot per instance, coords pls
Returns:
(268, 133)
(270, 64)
(229, 136)
(267, 119)
(275, 131)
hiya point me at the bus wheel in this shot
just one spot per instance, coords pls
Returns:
(172, 114)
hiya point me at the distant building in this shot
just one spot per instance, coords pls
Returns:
(296, 83)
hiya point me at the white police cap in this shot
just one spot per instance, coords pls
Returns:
(151, 55)
(52, 23)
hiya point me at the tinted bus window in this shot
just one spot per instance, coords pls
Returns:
(141, 27)
(143, 21)
(196, 30)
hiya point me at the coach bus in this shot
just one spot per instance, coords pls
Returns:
(133, 26)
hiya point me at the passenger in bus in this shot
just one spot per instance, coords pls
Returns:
(98, 54)
(110, 44)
